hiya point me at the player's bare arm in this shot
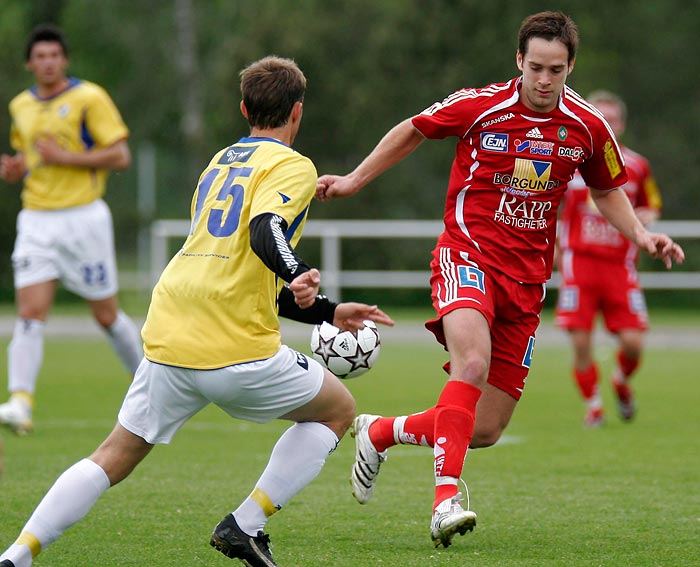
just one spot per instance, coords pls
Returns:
(398, 143)
(114, 156)
(647, 215)
(12, 168)
(616, 207)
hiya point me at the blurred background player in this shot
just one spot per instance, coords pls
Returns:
(518, 145)
(67, 134)
(598, 267)
(212, 332)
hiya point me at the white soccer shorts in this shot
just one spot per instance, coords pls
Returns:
(162, 398)
(74, 245)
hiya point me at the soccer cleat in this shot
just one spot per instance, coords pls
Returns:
(367, 459)
(233, 542)
(625, 400)
(449, 519)
(594, 418)
(6, 563)
(17, 416)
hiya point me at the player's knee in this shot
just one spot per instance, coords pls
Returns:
(348, 411)
(343, 414)
(486, 436)
(105, 317)
(473, 370)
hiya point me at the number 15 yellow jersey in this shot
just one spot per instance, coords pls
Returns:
(216, 302)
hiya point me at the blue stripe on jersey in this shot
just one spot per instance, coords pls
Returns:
(295, 223)
(85, 135)
(253, 139)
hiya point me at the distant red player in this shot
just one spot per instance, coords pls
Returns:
(598, 268)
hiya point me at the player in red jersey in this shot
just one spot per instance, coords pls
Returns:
(598, 268)
(518, 145)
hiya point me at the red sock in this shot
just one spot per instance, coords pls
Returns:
(455, 414)
(381, 433)
(587, 381)
(414, 429)
(626, 365)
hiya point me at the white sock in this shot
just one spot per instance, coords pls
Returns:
(70, 498)
(19, 554)
(25, 354)
(296, 460)
(125, 339)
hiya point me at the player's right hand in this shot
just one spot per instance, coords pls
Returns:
(12, 168)
(305, 288)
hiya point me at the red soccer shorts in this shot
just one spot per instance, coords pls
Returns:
(591, 285)
(512, 310)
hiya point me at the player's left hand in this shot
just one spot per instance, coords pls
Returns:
(661, 246)
(350, 316)
(305, 288)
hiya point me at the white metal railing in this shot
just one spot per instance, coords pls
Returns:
(331, 232)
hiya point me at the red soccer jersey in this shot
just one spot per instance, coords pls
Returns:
(585, 231)
(510, 170)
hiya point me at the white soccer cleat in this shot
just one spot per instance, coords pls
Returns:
(17, 416)
(449, 519)
(367, 459)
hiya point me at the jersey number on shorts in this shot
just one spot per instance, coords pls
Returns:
(94, 274)
(222, 222)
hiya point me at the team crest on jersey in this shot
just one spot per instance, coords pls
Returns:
(237, 154)
(562, 133)
(63, 110)
(494, 142)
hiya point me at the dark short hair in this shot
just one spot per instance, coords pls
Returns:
(270, 88)
(549, 26)
(45, 32)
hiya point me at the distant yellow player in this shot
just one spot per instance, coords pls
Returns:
(67, 134)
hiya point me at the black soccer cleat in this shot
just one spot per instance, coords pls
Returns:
(6, 563)
(233, 542)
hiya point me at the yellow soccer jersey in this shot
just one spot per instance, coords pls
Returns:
(79, 118)
(216, 302)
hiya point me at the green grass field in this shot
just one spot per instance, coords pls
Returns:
(551, 494)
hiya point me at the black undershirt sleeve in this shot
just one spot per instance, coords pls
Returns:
(322, 310)
(268, 241)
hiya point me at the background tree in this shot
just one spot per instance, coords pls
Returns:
(172, 67)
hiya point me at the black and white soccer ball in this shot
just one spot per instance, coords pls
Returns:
(347, 354)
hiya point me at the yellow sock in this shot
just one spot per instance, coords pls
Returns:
(24, 397)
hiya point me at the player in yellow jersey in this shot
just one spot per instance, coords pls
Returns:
(212, 332)
(67, 134)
